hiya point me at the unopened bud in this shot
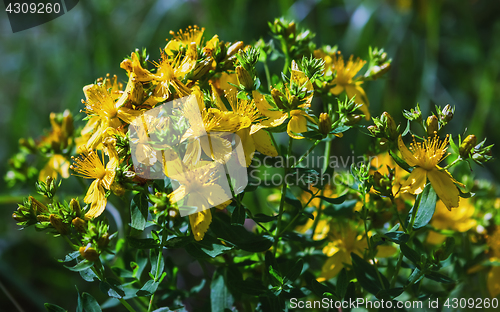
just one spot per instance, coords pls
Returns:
(467, 145)
(19, 218)
(374, 130)
(58, 224)
(432, 125)
(447, 113)
(75, 206)
(103, 241)
(325, 123)
(234, 48)
(43, 218)
(352, 119)
(89, 253)
(291, 29)
(80, 225)
(390, 126)
(37, 206)
(277, 95)
(244, 78)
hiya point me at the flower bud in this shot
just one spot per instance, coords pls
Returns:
(75, 206)
(375, 131)
(42, 218)
(447, 113)
(202, 68)
(390, 126)
(432, 125)
(37, 206)
(325, 123)
(58, 224)
(244, 78)
(277, 95)
(103, 241)
(352, 119)
(89, 253)
(117, 189)
(467, 145)
(234, 48)
(80, 225)
(18, 217)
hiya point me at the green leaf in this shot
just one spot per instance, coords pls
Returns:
(410, 254)
(342, 282)
(276, 279)
(320, 289)
(113, 288)
(156, 261)
(367, 275)
(397, 237)
(83, 265)
(88, 275)
(260, 217)
(220, 296)
(139, 212)
(89, 304)
(295, 271)
(238, 235)
(209, 247)
(438, 277)
(415, 276)
(71, 256)
(334, 200)
(238, 216)
(425, 208)
(148, 289)
(54, 308)
(399, 161)
(292, 200)
(343, 209)
(146, 243)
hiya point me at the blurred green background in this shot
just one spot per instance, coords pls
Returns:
(443, 51)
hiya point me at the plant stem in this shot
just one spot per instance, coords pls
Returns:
(126, 305)
(307, 153)
(299, 213)
(283, 196)
(268, 76)
(328, 148)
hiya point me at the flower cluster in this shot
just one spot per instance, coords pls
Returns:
(158, 146)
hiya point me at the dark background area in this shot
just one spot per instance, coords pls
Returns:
(443, 51)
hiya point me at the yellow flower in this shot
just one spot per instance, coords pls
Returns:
(345, 241)
(425, 157)
(460, 220)
(298, 113)
(101, 105)
(193, 34)
(89, 166)
(198, 188)
(57, 164)
(344, 81)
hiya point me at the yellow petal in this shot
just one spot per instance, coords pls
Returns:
(264, 144)
(297, 124)
(200, 222)
(415, 182)
(442, 182)
(334, 265)
(405, 152)
(337, 89)
(435, 238)
(215, 147)
(96, 196)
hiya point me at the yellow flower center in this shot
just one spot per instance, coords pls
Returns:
(89, 166)
(429, 153)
